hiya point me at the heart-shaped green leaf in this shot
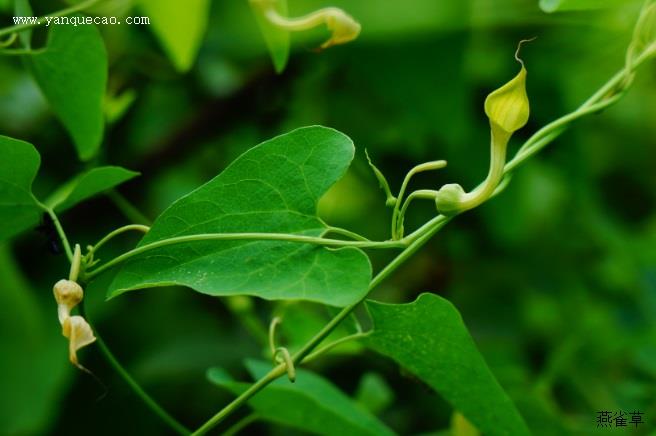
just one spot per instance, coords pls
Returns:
(273, 188)
(429, 339)
(72, 73)
(19, 208)
(19, 163)
(312, 403)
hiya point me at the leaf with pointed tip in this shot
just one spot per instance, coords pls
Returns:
(72, 73)
(312, 403)
(87, 185)
(276, 38)
(22, 8)
(179, 27)
(273, 188)
(19, 209)
(429, 339)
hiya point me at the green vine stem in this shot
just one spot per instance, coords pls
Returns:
(426, 166)
(60, 231)
(113, 234)
(68, 11)
(430, 229)
(607, 95)
(241, 237)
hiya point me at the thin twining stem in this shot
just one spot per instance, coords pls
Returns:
(337, 342)
(426, 166)
(204, 237)
(60, 231)
(113, 234)
(428, 230)
(125, 375)
(601, 99)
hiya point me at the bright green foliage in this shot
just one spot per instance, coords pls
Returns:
(72, 73)
(19, 209)
(578, 5)
(19, 163)
(34, 369)
(179, 27)
(429, 339)
(272, 188)
(276, 38)
(88, 185)
(312, 403)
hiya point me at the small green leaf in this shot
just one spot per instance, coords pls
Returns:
(273, 188)
(72, 73)
(87, 185)
(180, 28)
(276, 38)
(312, 403)
(19, 163)
(578, 5)
(429, 339)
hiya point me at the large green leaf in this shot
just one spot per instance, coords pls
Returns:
(312, 403)
(276, 38)
(87, 185)
(72, 73)
(19, 163)
(429, 339)
(274, 188)
(179, 27)
(578, 5)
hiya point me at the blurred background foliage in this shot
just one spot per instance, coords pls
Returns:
(556, 278)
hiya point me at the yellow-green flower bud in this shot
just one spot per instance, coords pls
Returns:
(450, 198)
(508, 110)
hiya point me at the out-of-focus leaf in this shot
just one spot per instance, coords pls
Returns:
(578, 5)
(272, 188)
(373, 393)
(277, 39)
(34, 368)
(22, 8)
(19, 209)
(429, 339)
(87, 185)
(179, 27)
(312, 403)
(117, 105)
(72, 73)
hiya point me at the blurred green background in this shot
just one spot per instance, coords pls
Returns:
(555, 278)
